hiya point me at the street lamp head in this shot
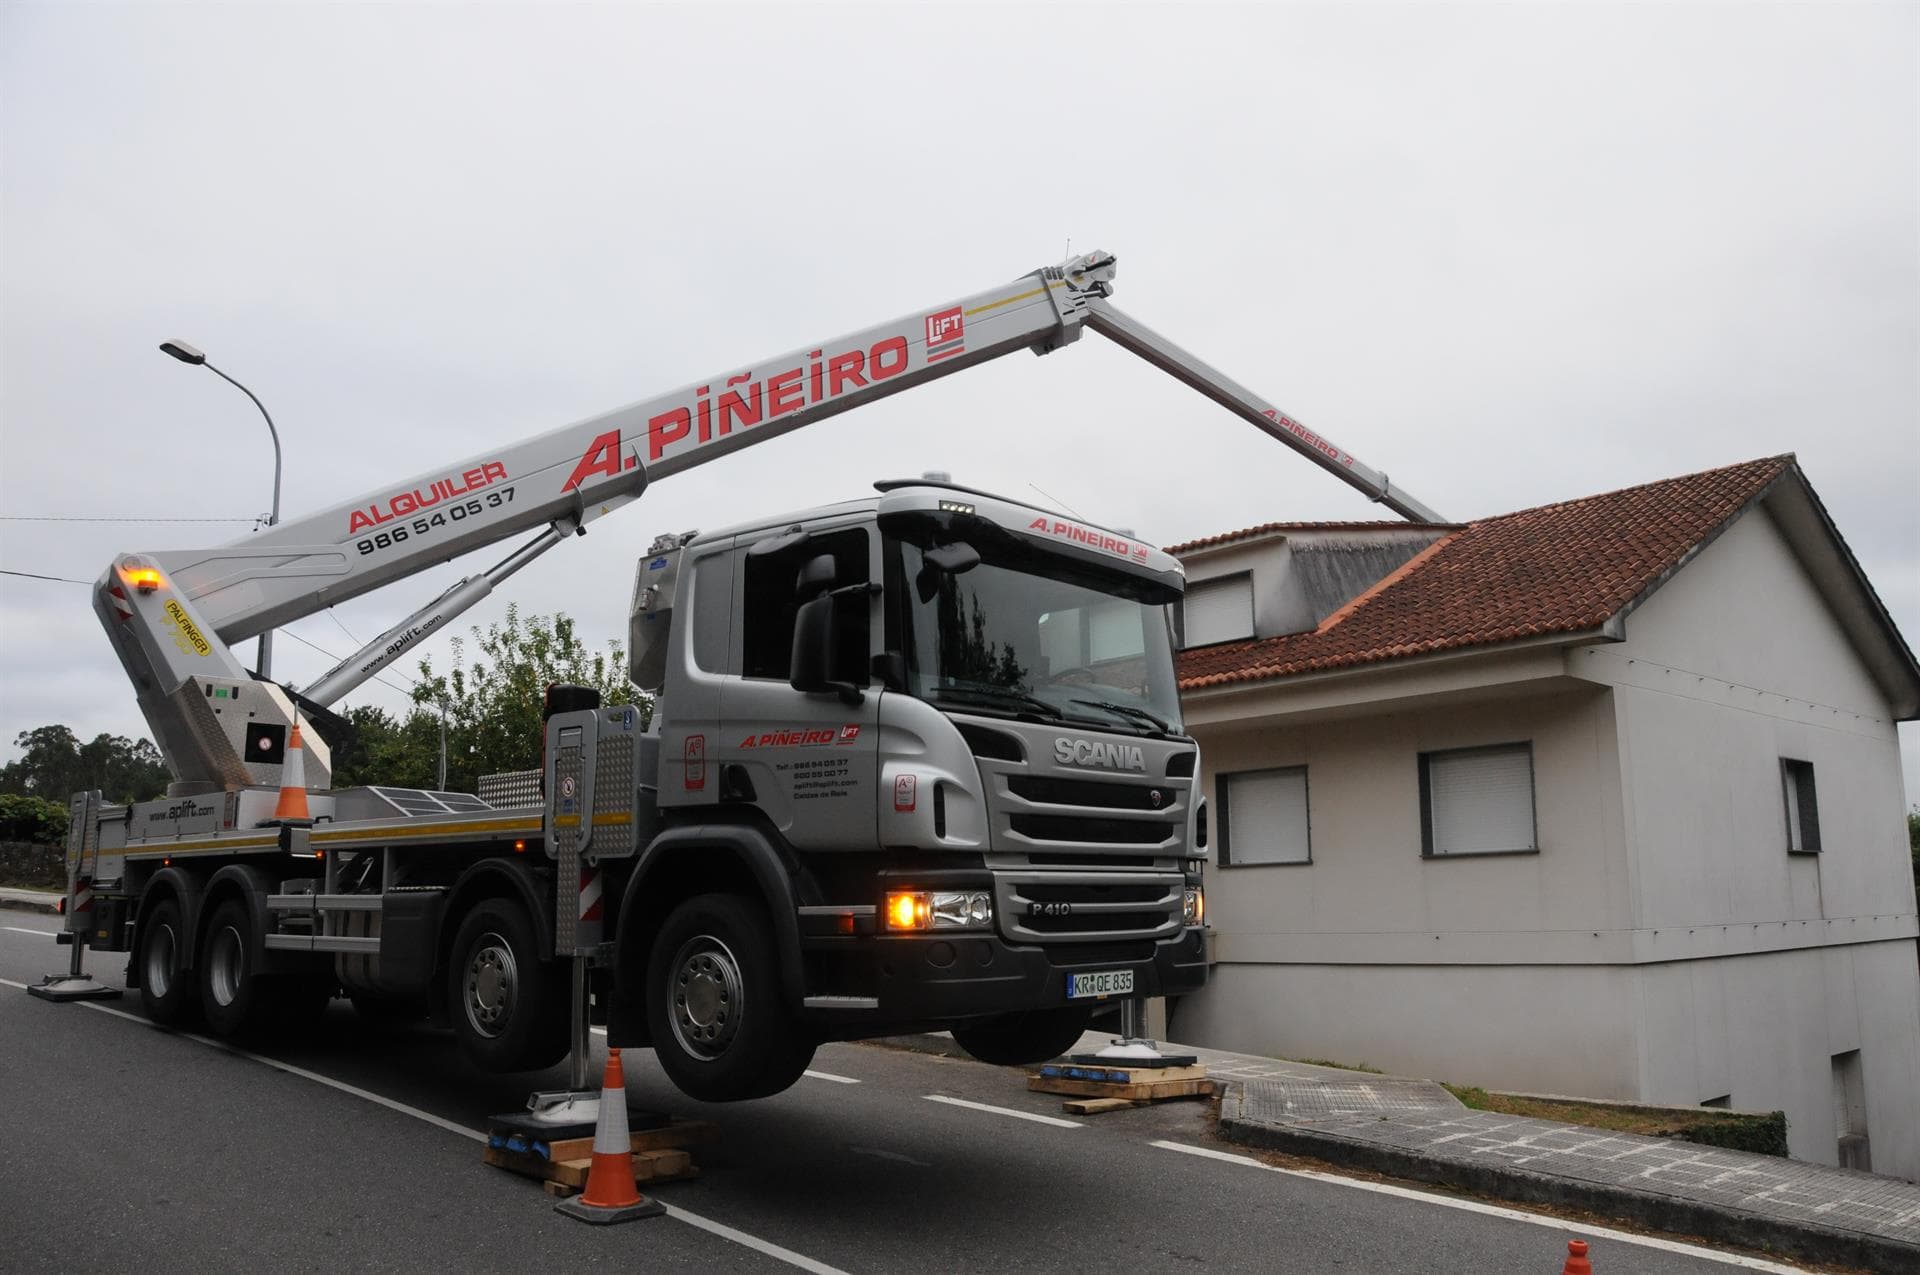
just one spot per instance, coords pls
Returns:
(184, 352)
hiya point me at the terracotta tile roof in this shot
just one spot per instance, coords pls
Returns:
(1557, 569)
(1269, 528)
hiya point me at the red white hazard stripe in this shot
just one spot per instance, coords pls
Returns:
(589, 893)
(122, 609)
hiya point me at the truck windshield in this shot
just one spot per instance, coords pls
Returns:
(1006, 640)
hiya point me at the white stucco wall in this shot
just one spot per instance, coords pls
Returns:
(1538, 1028)
(1763, 1029)
(1733, 666)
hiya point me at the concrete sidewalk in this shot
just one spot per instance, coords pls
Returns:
(29, 900)
(1415, 1129)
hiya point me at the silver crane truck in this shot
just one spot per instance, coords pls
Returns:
(916, 760)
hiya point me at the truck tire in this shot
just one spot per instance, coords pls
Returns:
(167, 994)
(1019, 1040)
(715, 1011)
(233, 993)
(509, 1005)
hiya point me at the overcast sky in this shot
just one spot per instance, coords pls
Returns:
(1510, 254)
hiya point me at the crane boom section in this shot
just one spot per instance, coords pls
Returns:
(577, 473)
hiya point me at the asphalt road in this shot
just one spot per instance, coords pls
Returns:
(127, 1145)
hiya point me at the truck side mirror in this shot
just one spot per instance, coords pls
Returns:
(948, 559)
(811, 669)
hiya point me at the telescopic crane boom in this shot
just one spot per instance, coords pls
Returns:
(173, 615)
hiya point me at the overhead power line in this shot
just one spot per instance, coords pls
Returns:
(34, 575)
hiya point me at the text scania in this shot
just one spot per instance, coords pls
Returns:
(401, 504)
(1090, 752)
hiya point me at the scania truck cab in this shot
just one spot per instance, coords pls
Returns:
(952, 720)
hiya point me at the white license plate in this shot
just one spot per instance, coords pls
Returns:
(1099, 983)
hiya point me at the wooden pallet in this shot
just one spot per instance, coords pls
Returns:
(659, 1155)
(1099, 1089)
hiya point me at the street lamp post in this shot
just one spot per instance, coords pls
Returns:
(187, 354)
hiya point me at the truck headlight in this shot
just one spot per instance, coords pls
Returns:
(1196, 906)
(939, 910)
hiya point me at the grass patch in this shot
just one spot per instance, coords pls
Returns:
(1764, 1132)
(1340, 1066)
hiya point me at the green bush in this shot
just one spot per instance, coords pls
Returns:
(1765, 1134)
(32, 819)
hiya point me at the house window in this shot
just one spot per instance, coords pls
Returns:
(1477, 801)
(1263, 817)
(1217, 611)
(1803, 812)
(772, 602)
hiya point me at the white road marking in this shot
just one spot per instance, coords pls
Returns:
(45, 934)
(1002, 1111)
(754, 1242)
(725, 1232)
(1578, 1231)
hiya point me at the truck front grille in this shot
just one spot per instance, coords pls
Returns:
(1122, 832)
(1104, 907)
(1051, 791)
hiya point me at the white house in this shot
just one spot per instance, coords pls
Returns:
(1601, 798)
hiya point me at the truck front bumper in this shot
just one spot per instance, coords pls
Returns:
(926, 978)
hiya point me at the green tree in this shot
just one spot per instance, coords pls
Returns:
(493, 701)
(54, 764)
(1913, 844)
(32, 819)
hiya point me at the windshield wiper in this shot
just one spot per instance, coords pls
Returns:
(1128, 710)
(998, 695)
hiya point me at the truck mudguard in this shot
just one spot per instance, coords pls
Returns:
(182, 886)
(253, 885)
(751, 849)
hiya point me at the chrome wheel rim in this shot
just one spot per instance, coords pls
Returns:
(226, 965)
(491, 985)
(160, 961)
(706, 997)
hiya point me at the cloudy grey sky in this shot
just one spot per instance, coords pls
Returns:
(1510, 254)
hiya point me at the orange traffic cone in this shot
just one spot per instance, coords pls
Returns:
(293, 782)
(1577, 1263)
(611, 1195)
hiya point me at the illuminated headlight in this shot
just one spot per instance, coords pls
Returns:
(939, 910)
(1196, 907)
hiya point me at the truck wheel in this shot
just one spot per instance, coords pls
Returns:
(167, 994)
(509, 1006)
(1017, 1040)
(232, 989)
(714, 1007)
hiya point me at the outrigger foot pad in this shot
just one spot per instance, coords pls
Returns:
(73, 987)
